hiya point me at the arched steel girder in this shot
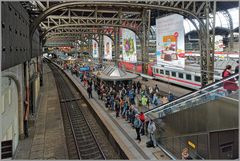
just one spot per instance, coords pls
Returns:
(79, 33)
(90, 36)
(230, 25)
(54, 8)
(84, 25)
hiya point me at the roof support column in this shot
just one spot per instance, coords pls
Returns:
(116, 44)
(100, 48)
(144, 40)
(89, 46)
(207, 59)
(212, 46)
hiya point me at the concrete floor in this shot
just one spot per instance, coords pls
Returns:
(46, 137)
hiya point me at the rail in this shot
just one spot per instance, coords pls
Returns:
(192, 94)
(71, 124)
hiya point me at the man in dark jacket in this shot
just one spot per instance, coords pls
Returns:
(89, 90)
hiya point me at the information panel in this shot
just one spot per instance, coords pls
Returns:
(107, 48)
(170, 41)
(129, 46)
(95, 49)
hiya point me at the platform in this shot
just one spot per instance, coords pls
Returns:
(46, 137)
(120, 128)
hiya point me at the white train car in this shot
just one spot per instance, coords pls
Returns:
(183, 77)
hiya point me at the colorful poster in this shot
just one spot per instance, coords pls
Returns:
(95, 49)
(107, 48)
(170, 41)
(219, 43)
(129, 46)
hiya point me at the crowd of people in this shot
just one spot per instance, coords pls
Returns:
(129, 99)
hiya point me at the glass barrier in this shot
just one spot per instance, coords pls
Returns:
(196, 144)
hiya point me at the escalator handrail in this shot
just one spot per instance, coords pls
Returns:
(193, 93)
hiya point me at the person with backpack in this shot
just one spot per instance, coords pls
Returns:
(137, 125)
(156, 88)
(151, 132)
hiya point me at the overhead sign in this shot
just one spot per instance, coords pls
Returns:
(170, 40)
(95, 49)
(129, 46)
(107, 48)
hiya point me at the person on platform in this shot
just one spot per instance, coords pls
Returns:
(142, 118)
(230, 85)
(151, 132)
(144, 100)
(170, 97)
(117, 106)
(138, 87)
(156, 89)
(89, 90)
(137, 125)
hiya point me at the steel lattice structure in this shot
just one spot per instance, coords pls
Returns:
(92, 19)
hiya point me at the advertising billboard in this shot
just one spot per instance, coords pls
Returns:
(170, 41)
(129, 46)
(107, 48)
(219, 43)
(95, 49)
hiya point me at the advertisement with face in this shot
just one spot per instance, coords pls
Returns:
(170, 41)
(95, 49)
(107, 48)
(129, 46)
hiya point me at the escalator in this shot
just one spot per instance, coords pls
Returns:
(205, 121)
(208, 93)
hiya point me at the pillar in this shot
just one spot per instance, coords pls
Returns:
(116, 45)
(100, 48)
(27, 100)
(144, 39)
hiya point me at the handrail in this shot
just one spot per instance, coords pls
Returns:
(193, 93)
(194, 98)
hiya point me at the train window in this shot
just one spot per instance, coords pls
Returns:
(197, 79)
(174, 74)
(180, 75)
(157, 71)
(161, 71)
(167, 72)
(188, 77)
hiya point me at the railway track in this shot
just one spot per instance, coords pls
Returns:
(84, 136)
